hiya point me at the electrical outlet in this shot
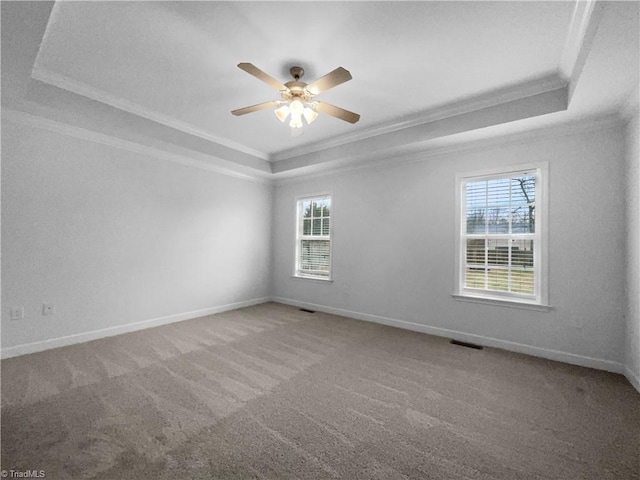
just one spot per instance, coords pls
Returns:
(48, 309)
(17, 313)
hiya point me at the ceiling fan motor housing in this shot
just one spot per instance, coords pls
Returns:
(296, 89)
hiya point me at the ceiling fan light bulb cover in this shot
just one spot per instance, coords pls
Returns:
(296, 108)
(282, 113)
(296, 122)
(309, 115)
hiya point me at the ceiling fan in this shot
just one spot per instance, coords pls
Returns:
(297, 96)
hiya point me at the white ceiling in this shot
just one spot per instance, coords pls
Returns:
(175, 62)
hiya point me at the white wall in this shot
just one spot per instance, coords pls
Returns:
(632, 344)
(393, 249)
(112, 237)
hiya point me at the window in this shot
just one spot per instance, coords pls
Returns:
(313, 245)
(501, 242)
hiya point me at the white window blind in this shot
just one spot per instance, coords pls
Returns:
(313, 255)
(500, 238)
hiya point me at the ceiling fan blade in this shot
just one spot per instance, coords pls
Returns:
(330, 80)
(260, 75)
(255, 108)
(337, 112)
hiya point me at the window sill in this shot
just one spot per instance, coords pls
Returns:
(502, 303)
(313, 279)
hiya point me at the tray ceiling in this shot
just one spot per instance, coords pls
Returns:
(177, 60)
(174, 63)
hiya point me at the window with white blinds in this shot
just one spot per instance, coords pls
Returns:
(500, 238)
(313, 249)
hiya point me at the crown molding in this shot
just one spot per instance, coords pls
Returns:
(45, 75)
(27, 119)
(434, 149)
(533, 87)
(492, 98)
(418, 152)
(582, 31)
(516, 110)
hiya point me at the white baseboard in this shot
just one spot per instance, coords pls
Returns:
(633, 379)
(557, 355)
(34, 347)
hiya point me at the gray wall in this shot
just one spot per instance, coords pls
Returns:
(112, 238)
(632, 344)
(118, 240)
(393, 249)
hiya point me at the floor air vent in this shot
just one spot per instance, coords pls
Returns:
(306, 310)
(465, 344)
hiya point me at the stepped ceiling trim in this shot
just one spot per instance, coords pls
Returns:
(504, 95)
(211, 164)
(552, 91)
(413, 154)
(66, 83)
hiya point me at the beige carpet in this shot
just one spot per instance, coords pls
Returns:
(270, 392)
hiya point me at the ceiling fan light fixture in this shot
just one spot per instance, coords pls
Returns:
(309, 115)
(282, 113)
(297, 97)
(296, 108)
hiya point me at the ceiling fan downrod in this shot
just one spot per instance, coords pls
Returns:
(296, 72)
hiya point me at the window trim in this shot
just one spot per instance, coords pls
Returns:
(540, 245)
(298, 237)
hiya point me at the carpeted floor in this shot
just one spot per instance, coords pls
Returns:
(271, 392)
